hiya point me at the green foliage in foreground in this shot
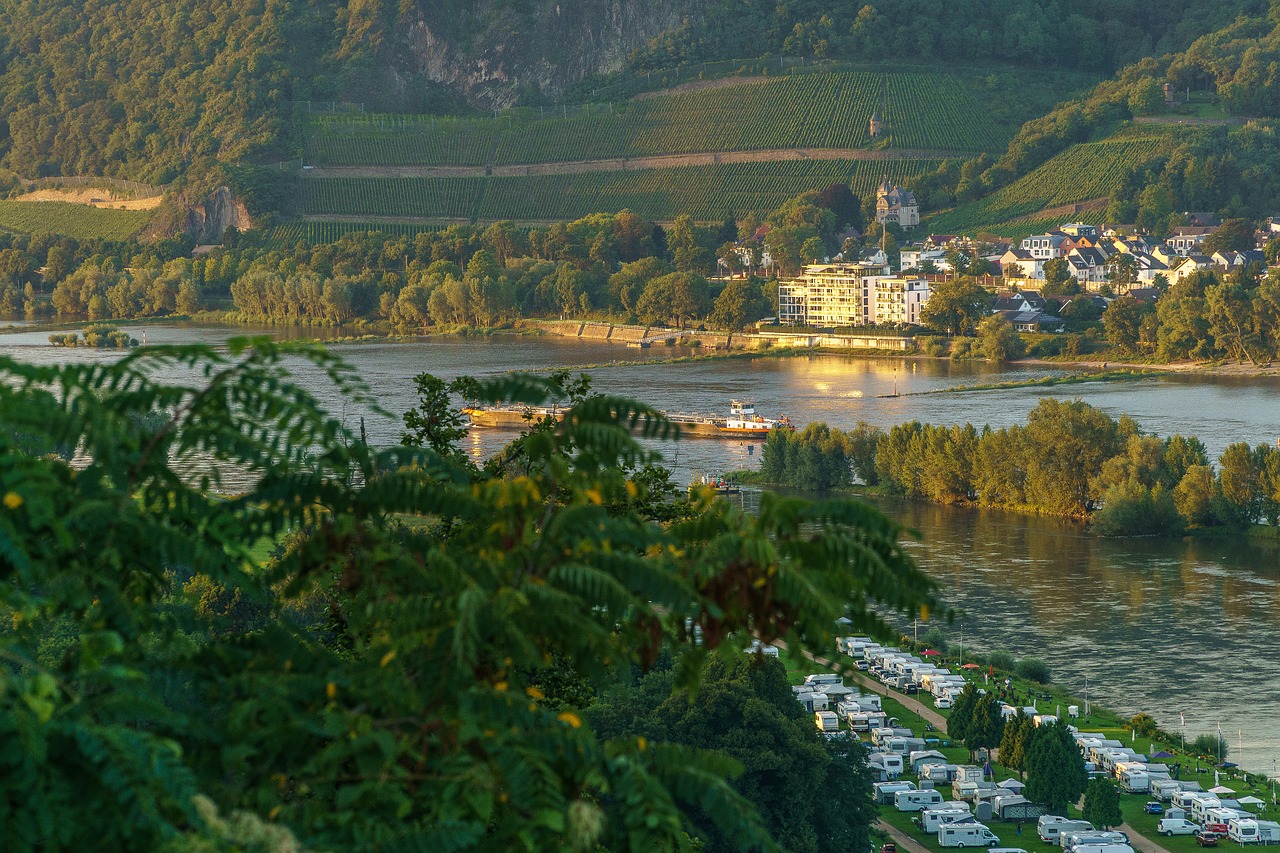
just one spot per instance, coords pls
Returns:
(80, 221)
(387, 682)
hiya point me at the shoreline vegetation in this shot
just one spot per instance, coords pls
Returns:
(1089, 369)
(1070, 460)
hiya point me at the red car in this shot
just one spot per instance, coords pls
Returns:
(1207, 839)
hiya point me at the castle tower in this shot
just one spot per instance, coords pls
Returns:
(877, 124)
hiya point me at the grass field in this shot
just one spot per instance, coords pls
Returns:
(73, 220)
(706, 193)
(944, 111)
(1086, 171)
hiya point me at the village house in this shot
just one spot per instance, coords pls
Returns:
(1027, 311)
(894, 204)
(1186, 240)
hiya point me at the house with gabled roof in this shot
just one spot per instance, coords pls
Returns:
(894, 204)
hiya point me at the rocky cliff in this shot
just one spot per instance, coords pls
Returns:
(493, 51)
(210, 219)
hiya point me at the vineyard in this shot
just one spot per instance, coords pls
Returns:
(707, 193)
(1082, 172)
(72, 220)
(923, 110)
(316, 233)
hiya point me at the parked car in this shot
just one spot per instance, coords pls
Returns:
(1154, 807)
(889, 847)
(1206, 838)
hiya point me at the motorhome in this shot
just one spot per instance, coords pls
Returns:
(932, 819)
(966, 835)
(1202, 805)
(884, 791)
(1185, 799)
(1050, 832)
(1164, 789)
(1103, 848)
(915, 801)
(826, 721)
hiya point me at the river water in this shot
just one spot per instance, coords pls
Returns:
(1163, 626)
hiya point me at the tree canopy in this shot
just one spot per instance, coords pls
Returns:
(394, 676)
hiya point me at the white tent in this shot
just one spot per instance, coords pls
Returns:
(1250, 801)
(1220, 789)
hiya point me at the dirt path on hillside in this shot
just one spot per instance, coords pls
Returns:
(625, 164)
(1187, 120)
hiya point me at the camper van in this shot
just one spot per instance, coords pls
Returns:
(966, 835)
(931, 819)
(1051, 830)
(915, 801)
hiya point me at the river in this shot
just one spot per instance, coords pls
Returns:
(1163, 626)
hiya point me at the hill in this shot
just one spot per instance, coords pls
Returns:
(967, 112)
(707, 193)
(1085, 172)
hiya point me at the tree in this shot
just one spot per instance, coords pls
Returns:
(740, 303)
(1058, 280)
(1122, 271)
(986, 725)
(1123, 323)
(1233, 235)
(433, 422)
(1055, 769)
(1033, 669)
(744, 708)
(1102, 804)
(955, 307)
(998, 339)
(1013, 744)
(960, 722)
(391, 697)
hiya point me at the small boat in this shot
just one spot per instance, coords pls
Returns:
(719, 484)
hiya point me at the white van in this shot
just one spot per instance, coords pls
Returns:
(914, 801)
(1176, 826)
(966, 835)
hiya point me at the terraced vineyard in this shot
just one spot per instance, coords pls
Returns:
(1082, 172)
(314, 233)
(73, 220)
(706, 193)
(924, 110)
(452, 198)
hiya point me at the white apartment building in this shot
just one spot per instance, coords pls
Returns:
(850, 295)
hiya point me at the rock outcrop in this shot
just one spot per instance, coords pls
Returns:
(492, 52)
(208, 221)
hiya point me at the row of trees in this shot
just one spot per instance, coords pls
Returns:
(1069, 459)
(1203, 316)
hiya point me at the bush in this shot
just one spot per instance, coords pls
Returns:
(934, 639)
(1002, 660)
(1212, 745)
(1033, 669)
